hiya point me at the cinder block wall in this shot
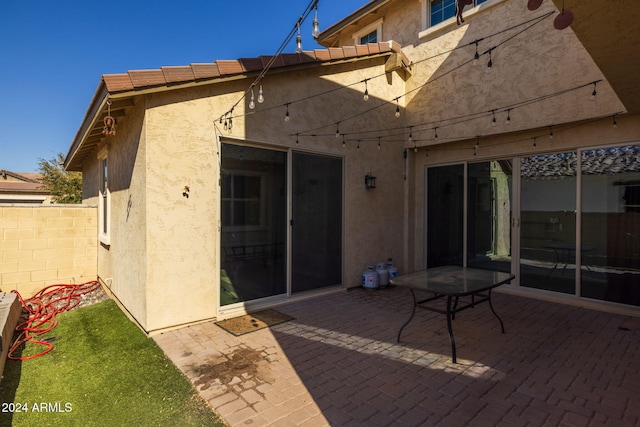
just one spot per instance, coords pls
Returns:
(43, 245)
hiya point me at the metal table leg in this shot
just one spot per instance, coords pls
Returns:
(453, 341)
(494, 312)
(415, 303)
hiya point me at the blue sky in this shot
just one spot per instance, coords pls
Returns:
(52, 54)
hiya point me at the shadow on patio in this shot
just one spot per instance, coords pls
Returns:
(338, 363)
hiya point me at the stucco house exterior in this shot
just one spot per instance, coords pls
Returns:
(511, 141)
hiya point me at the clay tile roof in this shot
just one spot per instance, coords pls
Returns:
(146, 78)
(178, 74)
(117, 82)
(141, 79)
(350, 51)
(336, 53)
(205, 71)
(230, 67)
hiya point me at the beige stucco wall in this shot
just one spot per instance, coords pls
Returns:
(163, 260)
(46, 245)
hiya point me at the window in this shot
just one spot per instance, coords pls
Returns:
(242, 200)
(372, 33)
(104, 202)
(442, 10)
(372, 37)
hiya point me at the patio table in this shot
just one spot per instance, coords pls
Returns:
(452, 282)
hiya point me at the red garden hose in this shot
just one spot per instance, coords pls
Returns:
(42, 309)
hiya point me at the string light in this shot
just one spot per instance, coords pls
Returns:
(550, 133)
(435, 133)
(615, 124)
(508, 116)
(366, 91)
(298, 39)
(493, 121)
(379, 142)
(490, 63)
(410, 134)
(358, 146)
(252, 102)
(260, 94)
(297, 138)
(534, 142)
(476, 57)
(397, 108)
(338, 130)
(315, 31)
(344, 142)
(286, 116)
(594, 93)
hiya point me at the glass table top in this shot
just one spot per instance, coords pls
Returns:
(452, 280)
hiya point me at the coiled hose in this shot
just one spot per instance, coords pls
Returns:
(42, 309)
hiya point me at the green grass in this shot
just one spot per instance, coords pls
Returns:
(103, 372)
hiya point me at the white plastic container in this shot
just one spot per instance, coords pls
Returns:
(383, 275)
(393, 271)
(370, 278)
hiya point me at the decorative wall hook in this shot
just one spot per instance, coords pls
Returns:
(109, 122)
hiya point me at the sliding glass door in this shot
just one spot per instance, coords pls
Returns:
(610, 219)
(254, 223)
(489, 210)
(548, 222)
(264, 253)
(316, 220)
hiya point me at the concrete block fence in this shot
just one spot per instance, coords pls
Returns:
(42, 245)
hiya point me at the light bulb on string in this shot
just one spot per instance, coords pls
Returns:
(435, 133)
(252, 102)
(595, 92)
(397, 108)
(614, 124)
(493, 120)
(297, 138)
(508, 121)
(490, 63)
(286, 115)
(358, 146)
(338, 130)
(344, 142)
(366, 91)
(298, 39)
(378, 143)
(260, 94)
(550, 133)
(534, 142)
(315, 30)
(476, 56)
(410, 134)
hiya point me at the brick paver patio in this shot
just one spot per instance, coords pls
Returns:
(337, 363)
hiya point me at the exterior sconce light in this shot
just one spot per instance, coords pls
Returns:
(370, 181)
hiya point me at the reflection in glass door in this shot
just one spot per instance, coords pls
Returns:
(548, 222)
(316, 218)
(253, 234)
(445, 213)
(489, 206)
(610, 219)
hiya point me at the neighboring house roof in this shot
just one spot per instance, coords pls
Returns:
(20, 187)
(166, 78)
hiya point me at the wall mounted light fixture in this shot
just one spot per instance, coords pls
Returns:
(370, 181)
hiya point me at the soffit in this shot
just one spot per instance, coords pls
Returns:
(610, 31)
